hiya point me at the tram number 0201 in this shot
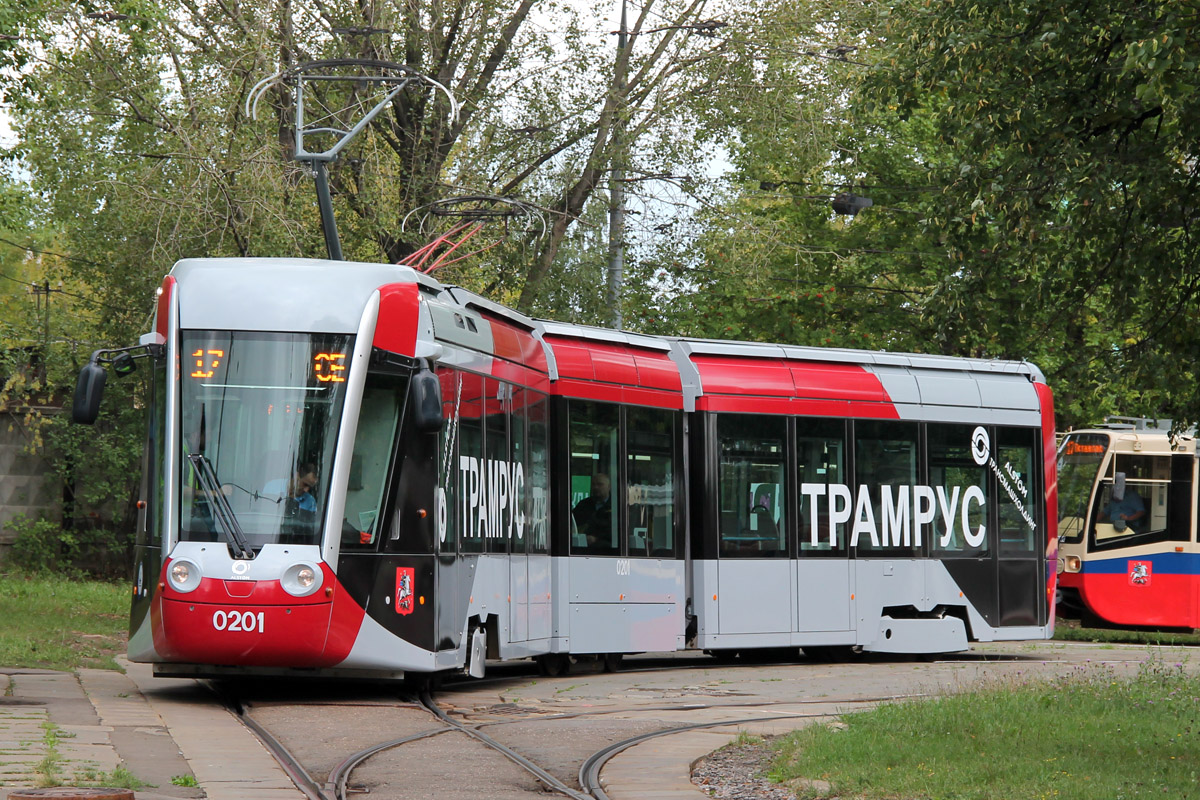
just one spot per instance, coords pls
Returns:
(246, 621)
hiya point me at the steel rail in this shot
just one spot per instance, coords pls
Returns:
(589, 771)
(548, 780)
(291, 767)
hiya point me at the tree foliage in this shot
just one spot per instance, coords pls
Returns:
(1032, 167)
(1066, 164)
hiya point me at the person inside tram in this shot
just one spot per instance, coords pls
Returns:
(762, 515)
(1123, 509)
(593, 514)
(298, 490)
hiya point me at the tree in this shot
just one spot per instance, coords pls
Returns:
(148, 99)
(1032, 171)
(1063, 152)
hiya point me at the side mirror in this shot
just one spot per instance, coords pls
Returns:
(89, 389)
(427, 402)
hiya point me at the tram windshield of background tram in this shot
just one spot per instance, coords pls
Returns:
(1141, 572)
(454, 457)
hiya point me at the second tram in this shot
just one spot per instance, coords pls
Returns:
(1128, 554)
(353, 468)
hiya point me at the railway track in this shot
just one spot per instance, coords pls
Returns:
(585, 784)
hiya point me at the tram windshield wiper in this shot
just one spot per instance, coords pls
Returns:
(222, 513)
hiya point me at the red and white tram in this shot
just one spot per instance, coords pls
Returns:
(352, 468)
(1128, 555)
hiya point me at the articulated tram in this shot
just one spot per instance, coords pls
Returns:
(1128, 553)
(354, 469)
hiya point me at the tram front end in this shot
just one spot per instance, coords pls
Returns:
(280, 412)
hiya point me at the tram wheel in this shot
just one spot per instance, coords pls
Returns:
(612, 661)
(554, 664)
(724, 656)
(828, 654)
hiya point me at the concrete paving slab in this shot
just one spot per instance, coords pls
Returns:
(227, 760)
(117, 700)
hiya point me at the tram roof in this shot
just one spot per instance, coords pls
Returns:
(319, 294)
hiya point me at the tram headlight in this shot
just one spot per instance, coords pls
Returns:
(1072, 564)
(301, 580)
(184, 575)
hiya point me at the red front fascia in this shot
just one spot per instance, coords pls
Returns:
(266, 628)
(162, 321)
(1168, 602)
(399, 308)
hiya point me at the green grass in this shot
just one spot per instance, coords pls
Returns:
(1068, 632)
(60, 623)
(1089, 735)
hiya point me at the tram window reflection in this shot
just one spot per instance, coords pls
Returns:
(952, 469)
(1136, 502)
(498, 513)
(537, 476)
(651, 481)
(820, 460)
(470, 459)
(593, 449)
(374, 443)
(448, 463)
(1018, 505)
(751, 474)
(885, 460)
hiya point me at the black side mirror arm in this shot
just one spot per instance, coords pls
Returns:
(89, 387)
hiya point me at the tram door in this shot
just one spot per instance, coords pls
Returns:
(754, 575)
(823, 571)
(1022, 540)
(537, 527)
(461, 435)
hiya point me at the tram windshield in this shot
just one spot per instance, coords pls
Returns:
(259, 421)
(1079, 460)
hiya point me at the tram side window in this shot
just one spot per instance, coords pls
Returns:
(1018, 492)
(592, 438)
(149, 532)
(1181, 502)
(448, 464)
(374, 443)
(651, 481)
(471, 463)
(820, 464)
(1078, 462)
(751, 474)
(886, 462)
(960, 491)
(537, 477)
(517, 514)
(1134, 503)
(496, 511)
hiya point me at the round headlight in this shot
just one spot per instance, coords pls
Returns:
(185, 575)
(301, 580)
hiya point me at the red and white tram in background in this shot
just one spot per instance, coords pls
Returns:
(1128, 555)
(485, 485)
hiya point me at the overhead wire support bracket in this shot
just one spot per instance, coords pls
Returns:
(394, 77)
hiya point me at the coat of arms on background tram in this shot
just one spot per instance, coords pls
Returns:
(1139, 573)
(405, 578)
